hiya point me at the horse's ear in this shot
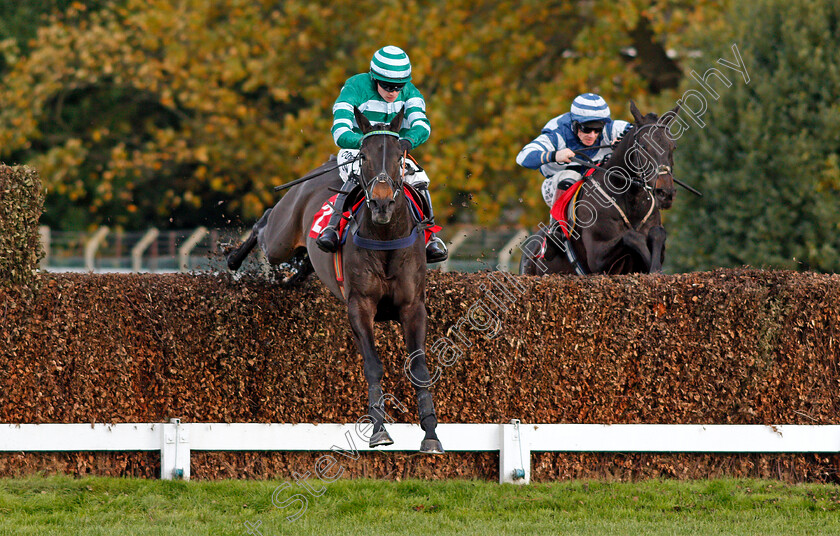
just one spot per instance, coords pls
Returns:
(676, 109)
(396, 122)
(637, 115)
(669, 116)
(362, 121)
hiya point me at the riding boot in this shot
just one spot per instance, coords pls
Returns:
(329, 240)
(435, 249)
(564, 185)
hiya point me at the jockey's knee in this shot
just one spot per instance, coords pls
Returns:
(562, 180)
(348, 166)
(419, 180)
(549, 188)
(415, 175)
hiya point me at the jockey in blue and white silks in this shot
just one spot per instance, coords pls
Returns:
(587, 124)
(379, 95)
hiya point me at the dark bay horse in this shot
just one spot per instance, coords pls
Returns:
(617, 226)
(379, 284)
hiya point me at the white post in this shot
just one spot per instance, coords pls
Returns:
(175, 451)
(188, 246)
(514, 455)
(44, 231)
(93, 245)
(507, 250)
(460, 237)
(141, 246)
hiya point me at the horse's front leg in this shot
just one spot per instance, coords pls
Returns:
(656, 244)
(413, 319)
(361, 311)
(601, 255)
(635, 242)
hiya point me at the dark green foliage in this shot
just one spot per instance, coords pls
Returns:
(767, 159)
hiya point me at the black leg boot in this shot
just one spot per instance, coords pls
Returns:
(435, 249)
(329, 240)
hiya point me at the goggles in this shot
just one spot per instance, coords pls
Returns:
(389, 86)
(590, 130)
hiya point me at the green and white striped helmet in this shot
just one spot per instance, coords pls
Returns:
(390, 64)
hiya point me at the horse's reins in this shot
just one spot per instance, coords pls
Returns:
(398, 243)
(676, 180)
(642, 181)
(612, 199)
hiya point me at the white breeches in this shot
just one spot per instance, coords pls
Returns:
(549, 185)
(413, 174)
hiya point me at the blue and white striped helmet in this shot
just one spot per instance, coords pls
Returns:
(589, 107)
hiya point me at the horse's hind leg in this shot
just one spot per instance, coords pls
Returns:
(301, 267)
(414, 325)
(236, 257)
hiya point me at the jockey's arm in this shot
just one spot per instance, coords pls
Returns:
(545, 153)
(343, 119)
(419, 128)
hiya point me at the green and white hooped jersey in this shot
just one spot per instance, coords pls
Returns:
(360, 91)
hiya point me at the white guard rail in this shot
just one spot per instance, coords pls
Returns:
(513, 441)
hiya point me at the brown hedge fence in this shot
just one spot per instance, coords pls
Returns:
(21, 203)
(724, 347)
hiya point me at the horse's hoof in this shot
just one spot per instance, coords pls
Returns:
(380, 439)
(431, 446)
(233, 263)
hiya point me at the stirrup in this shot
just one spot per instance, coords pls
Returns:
(329, 240)
(436, 251)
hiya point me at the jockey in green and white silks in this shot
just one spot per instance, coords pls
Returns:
(379, 95)
(587, 124)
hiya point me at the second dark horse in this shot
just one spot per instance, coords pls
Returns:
(379, 285)
(618, 224)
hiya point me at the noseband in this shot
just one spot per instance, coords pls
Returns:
(383, 175)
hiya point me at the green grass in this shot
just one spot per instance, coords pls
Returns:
(111, 506)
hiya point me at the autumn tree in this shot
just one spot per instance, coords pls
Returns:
(184, 113)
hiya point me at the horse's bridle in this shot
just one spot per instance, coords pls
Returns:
(661, 169)
(383, 175)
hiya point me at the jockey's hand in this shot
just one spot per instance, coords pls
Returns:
(564, 155)
(405, 145)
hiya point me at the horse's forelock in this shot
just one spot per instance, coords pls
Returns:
(648, 119)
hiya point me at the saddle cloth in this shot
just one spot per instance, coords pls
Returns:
(322, 217)
(560, 210)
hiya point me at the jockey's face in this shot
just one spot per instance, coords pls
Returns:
(588, 138)
(389, 96)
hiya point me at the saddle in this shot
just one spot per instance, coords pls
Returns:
(354, 201)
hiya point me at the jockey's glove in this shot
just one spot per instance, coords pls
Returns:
(405, 145)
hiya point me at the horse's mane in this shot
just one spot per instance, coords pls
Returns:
(621, 148)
